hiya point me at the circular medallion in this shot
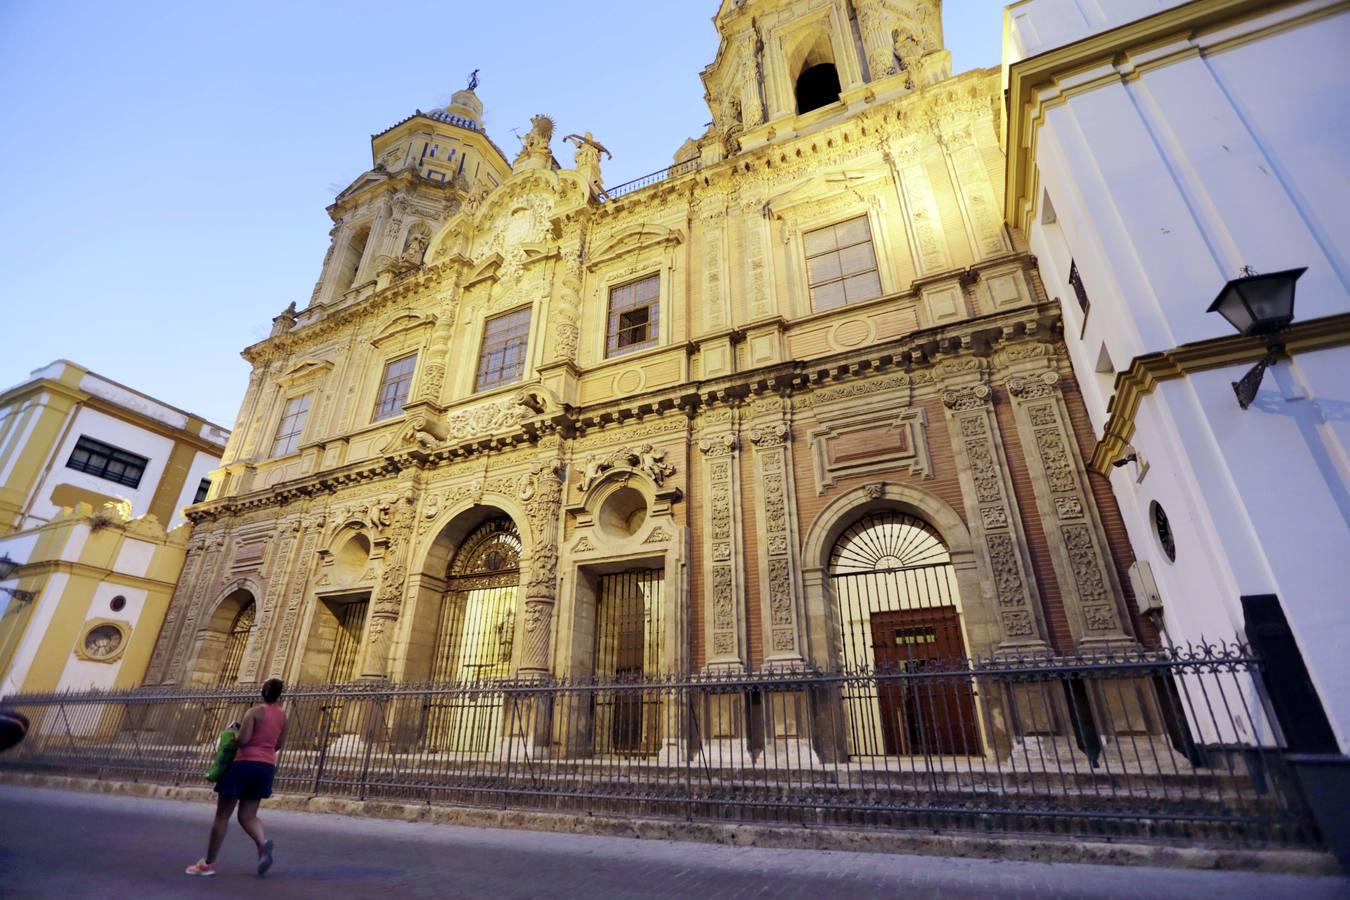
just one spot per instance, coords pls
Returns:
(103, 642)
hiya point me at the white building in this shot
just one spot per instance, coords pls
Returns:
(1155, 148)
(94, 477)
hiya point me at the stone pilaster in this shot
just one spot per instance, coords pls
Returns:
(776, 502)
(296, 588)
(265, 624)
(206, 583)
(992, 514)
(1091, 592)
(541, 493)
(386, 603)
(194, 565)
(723, 550)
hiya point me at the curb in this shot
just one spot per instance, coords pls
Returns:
(781, 837)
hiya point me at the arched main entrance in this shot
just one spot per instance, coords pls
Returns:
(235, 643)
(475, 636)
(898, 614)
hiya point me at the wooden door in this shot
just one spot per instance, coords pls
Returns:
(923, 715)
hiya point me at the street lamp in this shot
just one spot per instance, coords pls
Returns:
(7, 568)
(1258, 305)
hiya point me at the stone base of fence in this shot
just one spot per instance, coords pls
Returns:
(1047, 849)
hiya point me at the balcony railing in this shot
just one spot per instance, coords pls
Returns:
(1169, 744)
(637, 184)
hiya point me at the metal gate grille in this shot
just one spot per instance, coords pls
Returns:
(896, 610)
(475, 637)
(235, 643)
(347, 644)
(628, 645)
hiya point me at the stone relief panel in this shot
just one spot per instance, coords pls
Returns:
(1091, 592)
(992, 513)
(722, 547)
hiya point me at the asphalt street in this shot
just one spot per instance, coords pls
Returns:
(64, 844)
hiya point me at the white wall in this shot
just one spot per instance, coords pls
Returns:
(120, 434)
(1163, 186)
(202, 464)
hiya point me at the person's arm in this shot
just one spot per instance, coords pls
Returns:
(246, 727)
(281, 738)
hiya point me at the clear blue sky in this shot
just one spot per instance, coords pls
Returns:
(169, 163)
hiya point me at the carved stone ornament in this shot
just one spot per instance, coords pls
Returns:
(718, 444)
(104, 640)
(1042, 385)
(971, 397)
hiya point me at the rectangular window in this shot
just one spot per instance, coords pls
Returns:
(202, 490)
(394, 385)
(291, 425)
(502, 358)
(841, 266)
(1076, 281)
(634, 315)
(106, 461)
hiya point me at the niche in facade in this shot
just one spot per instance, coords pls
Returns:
(351, 560)
(817, 86)
(623, 512)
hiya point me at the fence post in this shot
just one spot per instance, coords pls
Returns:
(323, 749)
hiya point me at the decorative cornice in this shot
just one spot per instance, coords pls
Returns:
(1144, 373)
(926, 356)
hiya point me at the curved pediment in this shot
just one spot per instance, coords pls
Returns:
(311, 367)
(634, 239)
(401, 323)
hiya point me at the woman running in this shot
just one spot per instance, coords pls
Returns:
(248, 780)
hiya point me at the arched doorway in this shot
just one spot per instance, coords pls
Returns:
(235, 643)
(897, 613)
(475, 636)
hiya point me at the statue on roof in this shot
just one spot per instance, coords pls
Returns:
(588, 160)
(473, 80)
(535, 144)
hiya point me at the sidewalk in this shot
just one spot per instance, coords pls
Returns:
(63, 844)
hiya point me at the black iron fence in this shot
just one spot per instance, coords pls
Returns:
(1172, 744)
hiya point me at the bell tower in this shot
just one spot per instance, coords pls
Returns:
(787, 66)
(423, 169)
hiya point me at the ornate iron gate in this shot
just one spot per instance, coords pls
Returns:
(475, 638)
(628, 643)
(896, 607)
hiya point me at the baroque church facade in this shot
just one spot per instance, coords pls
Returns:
(798, 402)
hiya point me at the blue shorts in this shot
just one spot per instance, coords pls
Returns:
(246, 781)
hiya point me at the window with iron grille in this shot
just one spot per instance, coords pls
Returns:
(634, 316)
(841, 265)
(203, 489)
(106, 461)
(394, 385)
(291, 426)
(502, 357)
(1077, 281)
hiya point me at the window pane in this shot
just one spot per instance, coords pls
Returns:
(858, 258)
(501, 359)
(648, 289)
(824, 268)
(828, 296)
(818, 241)
(854, 231)
(862, 287)
(633, 315)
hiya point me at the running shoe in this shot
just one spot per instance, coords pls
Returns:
(201, 868)
(265, 858)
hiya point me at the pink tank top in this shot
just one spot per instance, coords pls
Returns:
(262, 744)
